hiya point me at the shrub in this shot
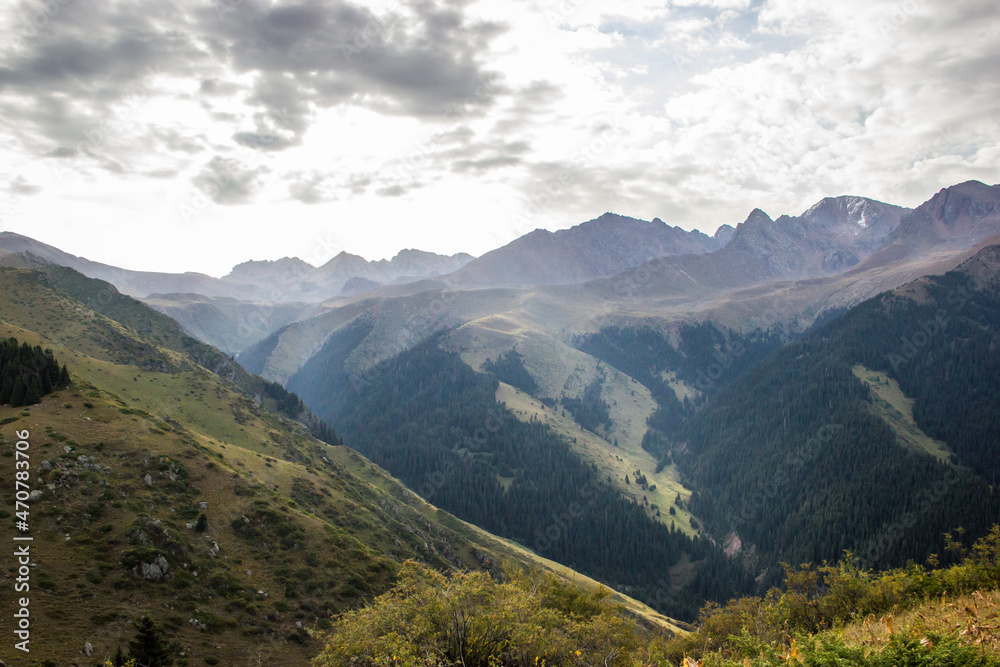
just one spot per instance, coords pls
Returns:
(471, 619)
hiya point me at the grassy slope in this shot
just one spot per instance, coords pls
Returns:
(896, 408)
(344, 522)
(562, 370)
(614, 461)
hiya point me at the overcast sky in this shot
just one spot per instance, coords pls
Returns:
(195, 134)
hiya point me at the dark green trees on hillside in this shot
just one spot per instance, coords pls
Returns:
(28, 373)
(429, 419)
(705, 357)
(509, 368)
(149, 647)
(590, 410)
(794, 458)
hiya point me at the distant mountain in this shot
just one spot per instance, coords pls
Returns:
(358, 285)
(829, 236)
(285, 280)
(133, 283)
(827, 239)
(724, 235)
(934, 238)
(959, 216)
(291, 279)
(229, 324)
(600, 247)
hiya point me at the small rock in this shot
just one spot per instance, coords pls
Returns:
(34, 495)
(46, 465)
(148, 479)
(67, 449)
(202, 505)
(88, 649)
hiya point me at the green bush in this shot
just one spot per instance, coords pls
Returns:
(473, 620)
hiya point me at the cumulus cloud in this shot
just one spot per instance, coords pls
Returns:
(228, 182)
(87, 58)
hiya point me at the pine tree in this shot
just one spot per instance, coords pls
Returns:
(64, 377)
(149, 648)
(33, 394)
(17, 395)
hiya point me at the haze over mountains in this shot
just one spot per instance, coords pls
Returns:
(245, 306)
(284, 280)
(291, 279)
(600, 247)
(612, 268)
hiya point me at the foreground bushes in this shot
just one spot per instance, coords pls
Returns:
(820, 598)
(470, 619)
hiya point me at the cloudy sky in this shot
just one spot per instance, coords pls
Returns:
(195, 134)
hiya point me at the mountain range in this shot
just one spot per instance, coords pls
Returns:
(284, 280)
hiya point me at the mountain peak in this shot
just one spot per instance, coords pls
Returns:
(966, 213)
(724, 234)
(836, 211)
(757, 217)
(257, 269)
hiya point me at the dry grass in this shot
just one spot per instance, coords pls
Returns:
(973, 619)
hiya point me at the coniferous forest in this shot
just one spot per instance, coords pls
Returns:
(28, 373)
(793, 458)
